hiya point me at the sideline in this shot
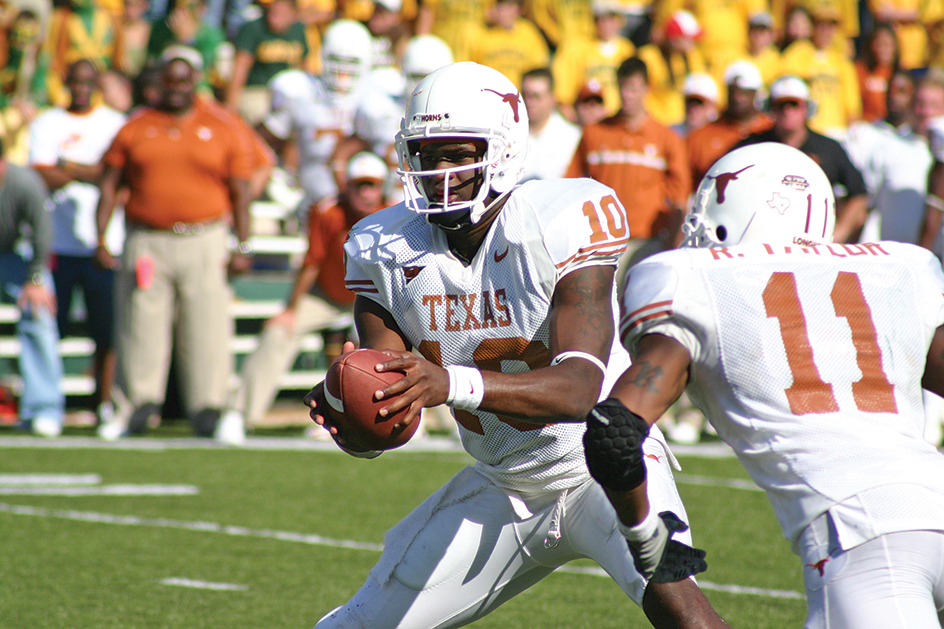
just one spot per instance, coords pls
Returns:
(288, 536)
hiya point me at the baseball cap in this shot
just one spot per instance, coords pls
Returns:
(682, 24)
(743, 74)
(366, 166)
(607, 7)
(185, 53)
(590, 89)
(789, 88)
(761, 20)
(700, 85)
(393, 6)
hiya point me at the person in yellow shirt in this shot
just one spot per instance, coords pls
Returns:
(578, 61)
(562, 20)
(509, 43)
(723, 22)
(830, 75)
(669, 63)
(761, 50)
(454, 21)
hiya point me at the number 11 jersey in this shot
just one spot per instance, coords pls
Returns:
(808, 362)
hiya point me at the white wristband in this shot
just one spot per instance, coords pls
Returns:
(466, 387)
(593, 359)
(642, 531)
(934, 201)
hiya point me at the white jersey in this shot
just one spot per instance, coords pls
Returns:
(58, 134)
(894, 163)
(494, 313)
(377, 121)
(808, 362)
(317, 118)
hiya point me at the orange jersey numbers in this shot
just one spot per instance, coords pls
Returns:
(873, 393)
(615, 223)
(489, 356)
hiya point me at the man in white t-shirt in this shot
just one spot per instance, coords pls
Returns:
(553, 139)
(66, 147)
(809, 358)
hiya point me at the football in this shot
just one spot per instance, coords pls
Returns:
(349, 388)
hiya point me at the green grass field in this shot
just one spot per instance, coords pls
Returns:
(276, 538)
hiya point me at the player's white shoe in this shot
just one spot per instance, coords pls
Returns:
(231, 429)
(46, 427)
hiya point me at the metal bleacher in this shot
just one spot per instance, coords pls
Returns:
(257, 296)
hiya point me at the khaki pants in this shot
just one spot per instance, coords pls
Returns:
(277, 349)
(172, 292)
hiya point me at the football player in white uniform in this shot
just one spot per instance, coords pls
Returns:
(809, 359)
(318, 111)
(377, 119)
(507, 292)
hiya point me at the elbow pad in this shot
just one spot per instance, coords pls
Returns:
(613, 445)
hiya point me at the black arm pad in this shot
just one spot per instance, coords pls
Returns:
(613, 445)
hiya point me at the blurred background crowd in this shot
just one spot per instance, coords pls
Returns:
(301, 99)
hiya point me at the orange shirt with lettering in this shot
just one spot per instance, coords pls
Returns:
(646, 167)
(178, 169)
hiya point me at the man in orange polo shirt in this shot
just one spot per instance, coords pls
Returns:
(319, 300)
(643, 161)
(186, 165)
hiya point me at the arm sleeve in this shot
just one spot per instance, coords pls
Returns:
(32, 196)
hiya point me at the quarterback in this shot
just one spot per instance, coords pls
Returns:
(809, 359)
(506, 292)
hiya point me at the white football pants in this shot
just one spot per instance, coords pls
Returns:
(472, 546)
(894, 581)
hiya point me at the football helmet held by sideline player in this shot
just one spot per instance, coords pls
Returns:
(768, 192)
(466, 102)
(345, 55)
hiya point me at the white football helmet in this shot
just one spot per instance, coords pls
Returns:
(345, 55)
(423, 54)
(465, 101)
(768, 192)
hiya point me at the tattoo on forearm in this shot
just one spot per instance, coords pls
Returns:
(647, 377)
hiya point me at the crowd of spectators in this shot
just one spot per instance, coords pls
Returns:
(642, 95)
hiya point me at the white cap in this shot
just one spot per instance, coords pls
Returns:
(743, 74)
(607, 7)
(366, 165)
(789, 88)
(186, 53)
(701, 85)
(393, 6)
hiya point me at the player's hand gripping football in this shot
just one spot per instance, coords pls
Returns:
(424, 385)
(660, 558)
(319, 411)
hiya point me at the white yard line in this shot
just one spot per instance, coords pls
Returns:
(302, 538)
(50, 479)
(201, 585)
(102, 490)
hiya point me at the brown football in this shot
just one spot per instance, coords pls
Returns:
(349, 388)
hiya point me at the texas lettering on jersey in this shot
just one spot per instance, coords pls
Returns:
(471, 311)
